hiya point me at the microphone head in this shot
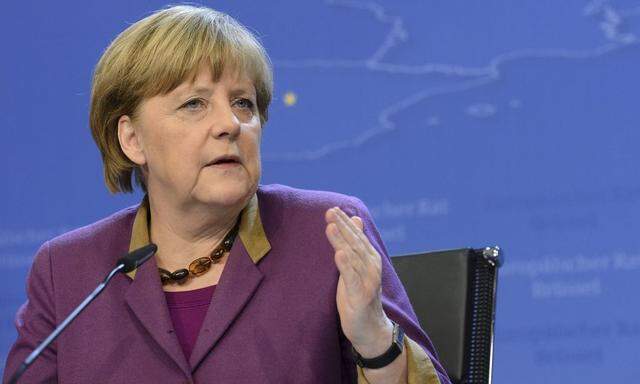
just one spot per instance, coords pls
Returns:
(137, 257)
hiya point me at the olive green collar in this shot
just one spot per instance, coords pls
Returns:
(251, 231)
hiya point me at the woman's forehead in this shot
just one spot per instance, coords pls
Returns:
(204, 79)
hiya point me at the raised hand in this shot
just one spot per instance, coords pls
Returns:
(358, 296)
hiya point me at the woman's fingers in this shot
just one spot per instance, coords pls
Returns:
(345, 259)
(358, 222)
(358, 291)
(347, 231)
(344, 225)
(341, 245)
(346, 235)
(353, 231)
(351, 277)
(336, 238)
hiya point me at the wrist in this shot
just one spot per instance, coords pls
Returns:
(386, 358)
(377, 341)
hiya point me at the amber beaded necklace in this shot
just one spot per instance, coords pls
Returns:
(200, 265)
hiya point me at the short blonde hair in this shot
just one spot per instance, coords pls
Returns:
(155, 55)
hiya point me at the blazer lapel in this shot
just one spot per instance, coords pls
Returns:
(239, 280)
(146, 299)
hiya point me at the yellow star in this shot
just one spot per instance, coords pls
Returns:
(290, 99)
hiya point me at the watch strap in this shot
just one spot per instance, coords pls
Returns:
(387, 357)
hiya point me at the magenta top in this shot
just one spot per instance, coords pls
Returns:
(187, 310)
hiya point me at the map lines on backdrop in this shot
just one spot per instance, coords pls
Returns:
(610, 21)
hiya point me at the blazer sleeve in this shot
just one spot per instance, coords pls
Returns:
(422, 361)
(34, 321)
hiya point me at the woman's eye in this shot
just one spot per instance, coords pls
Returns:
(193, 104)
(244, 103)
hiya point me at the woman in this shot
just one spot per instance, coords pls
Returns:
(250, 284)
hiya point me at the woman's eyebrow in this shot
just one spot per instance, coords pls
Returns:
(243, 90)
(188, 89)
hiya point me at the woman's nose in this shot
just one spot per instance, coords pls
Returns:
(224, 122)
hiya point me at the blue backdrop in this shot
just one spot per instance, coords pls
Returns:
(459, 123)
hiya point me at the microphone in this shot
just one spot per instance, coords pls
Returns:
(125, 264)
(137, 257)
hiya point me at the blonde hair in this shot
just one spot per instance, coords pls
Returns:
(155, 55)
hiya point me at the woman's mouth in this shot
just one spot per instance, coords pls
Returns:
(224, 162)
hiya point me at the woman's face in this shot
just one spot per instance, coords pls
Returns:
(200, 143)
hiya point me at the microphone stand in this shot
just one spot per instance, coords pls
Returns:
(125, 265)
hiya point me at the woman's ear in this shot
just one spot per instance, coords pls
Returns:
(131, 140)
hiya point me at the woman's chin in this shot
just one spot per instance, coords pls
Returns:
(227, 195)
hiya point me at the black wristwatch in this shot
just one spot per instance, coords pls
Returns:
(386, 358)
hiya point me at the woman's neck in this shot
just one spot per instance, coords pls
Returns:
(184, 233)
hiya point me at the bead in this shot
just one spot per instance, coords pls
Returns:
(180, 276)
(165, 276)
(217, 253)
(200, 266)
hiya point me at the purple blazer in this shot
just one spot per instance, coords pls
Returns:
(273, 316)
